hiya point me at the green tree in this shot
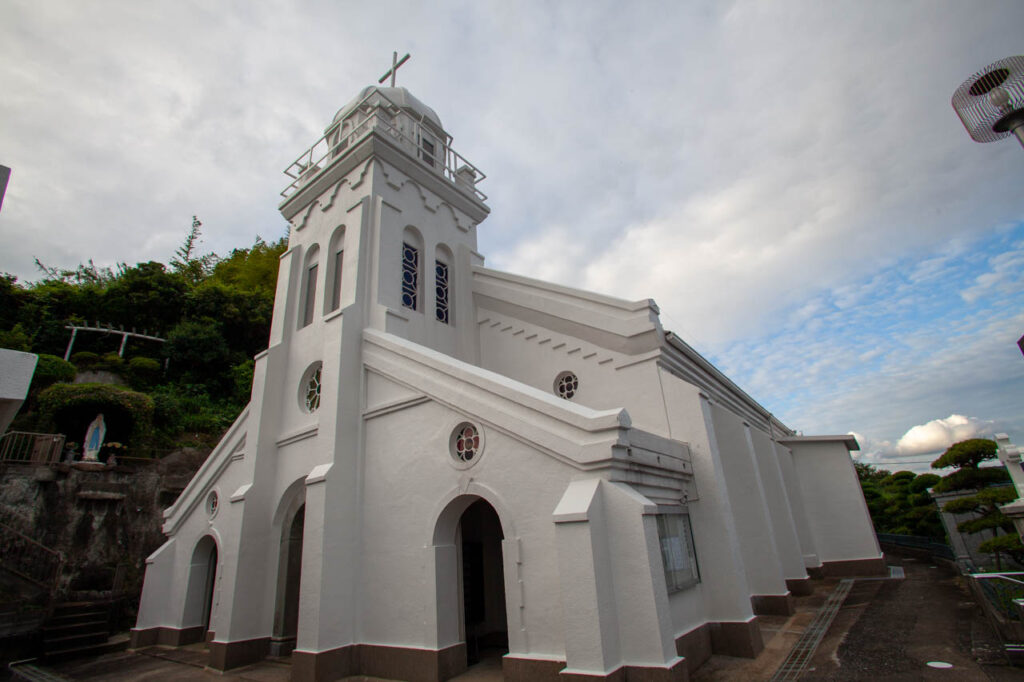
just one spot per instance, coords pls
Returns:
(967, 456)
(145, 297)
(191, 267)
(899, 502)
(198, 355)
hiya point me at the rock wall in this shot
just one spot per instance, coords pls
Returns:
(99, 518)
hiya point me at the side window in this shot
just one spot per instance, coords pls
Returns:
(307, 310)
(427, 149)
(677, 554)
(339, 259)
(335, 260)
(307, 298)
(410, 276)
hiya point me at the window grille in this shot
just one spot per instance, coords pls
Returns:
(566, 385)
(441, 291)
(410, 275)
(312, 388)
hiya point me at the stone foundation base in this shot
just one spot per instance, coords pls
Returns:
(426, 665)
(390, 662)
(677, 672)
(773, 604)
(228, 655)
(162, 636)
(854, 568)
(515, 669)
(728, 638)
(799, 587)
(281, 646)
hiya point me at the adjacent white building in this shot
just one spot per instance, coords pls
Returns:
(16, 370)
(440, 459)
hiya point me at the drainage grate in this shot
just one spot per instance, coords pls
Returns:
(801, 653)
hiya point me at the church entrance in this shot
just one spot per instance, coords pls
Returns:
(202, 580)
(483, 584)
(286, 613)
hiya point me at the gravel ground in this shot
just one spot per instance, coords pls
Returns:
(892, 629)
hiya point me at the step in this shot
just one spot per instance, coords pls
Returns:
(74, 641)
(31, 671)
(61, 621)
(68, 608)
(57, 629)
(118, 642)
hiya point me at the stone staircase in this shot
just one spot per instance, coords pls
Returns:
(80, 629)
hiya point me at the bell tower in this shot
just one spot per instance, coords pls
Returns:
(383, 214)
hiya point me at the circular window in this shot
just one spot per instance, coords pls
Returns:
(309, 390)
(465, 443)
(212, 502)
(566, 385)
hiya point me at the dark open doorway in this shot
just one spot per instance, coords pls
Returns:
(201, 584)
(483, 583)
(286, 617)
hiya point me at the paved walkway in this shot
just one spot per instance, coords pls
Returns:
(885, 630)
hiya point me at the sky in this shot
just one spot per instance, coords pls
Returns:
(786, 179)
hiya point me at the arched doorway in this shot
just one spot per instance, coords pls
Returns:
(286, 613)
(482, 583)
(202, 580)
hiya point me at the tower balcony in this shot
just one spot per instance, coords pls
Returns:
(412, 128)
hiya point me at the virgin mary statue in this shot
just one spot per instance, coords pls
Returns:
(94, 439)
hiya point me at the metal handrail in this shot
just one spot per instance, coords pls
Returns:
(29, 559)
(1001, 591)
(308, 164)
(31, 448)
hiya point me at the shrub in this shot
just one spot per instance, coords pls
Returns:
(85, 360)
(144, 373)
(16, 339)
(241, 378)
(111, 362)
(50, 370)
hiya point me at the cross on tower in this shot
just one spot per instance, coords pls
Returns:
(395, 63)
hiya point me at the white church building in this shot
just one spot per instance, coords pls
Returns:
(441, 461)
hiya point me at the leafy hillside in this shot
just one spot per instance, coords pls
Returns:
(213, 312)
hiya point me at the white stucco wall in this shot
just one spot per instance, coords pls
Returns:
(834, 504)
(16, 370)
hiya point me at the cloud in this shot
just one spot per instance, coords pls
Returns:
(937, 435)
(787, 180)
(1005, 275)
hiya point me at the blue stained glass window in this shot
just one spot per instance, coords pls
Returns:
(410, 275)
(441, 291)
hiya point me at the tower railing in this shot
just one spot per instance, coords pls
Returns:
(376, 113)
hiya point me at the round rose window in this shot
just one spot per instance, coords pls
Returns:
(566, 385)
(465, 442)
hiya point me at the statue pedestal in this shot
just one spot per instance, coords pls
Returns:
(89, 466)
